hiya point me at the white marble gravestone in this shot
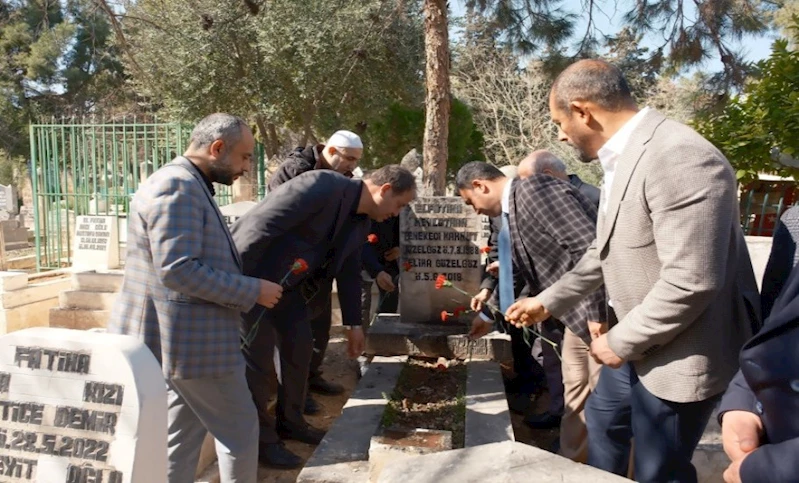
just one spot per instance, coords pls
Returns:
(8, 199)
(96, 244)
(234, 211)
(79, 407)
(439, 235)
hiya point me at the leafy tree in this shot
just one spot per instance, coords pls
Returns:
(761, 123)
(401, 129)
(312, 66)
(55, 60)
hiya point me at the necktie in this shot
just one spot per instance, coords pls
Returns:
(505, 266)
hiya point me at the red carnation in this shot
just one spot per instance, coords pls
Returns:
(407, 266)
(441, 281)
(460, 311)
(444, 315)
(485, 249)
(299, 266)
(372, 238)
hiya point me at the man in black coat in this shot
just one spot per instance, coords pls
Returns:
(322, 218)
(341, 154)
(758, 413)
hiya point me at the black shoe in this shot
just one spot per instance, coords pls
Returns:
(542, 421)
(276, 455)
(519, 403)
(307, 434)
(311, 406)
(319, 385)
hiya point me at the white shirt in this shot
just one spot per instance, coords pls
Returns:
(612, 150)
(505, 202)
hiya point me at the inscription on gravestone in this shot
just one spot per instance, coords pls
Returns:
(72, 410)
(96, 243)
(439, 235)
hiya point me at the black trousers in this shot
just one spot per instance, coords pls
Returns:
(288, 327)
(321, 320)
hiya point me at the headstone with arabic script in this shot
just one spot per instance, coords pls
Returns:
(439, 235)
(80, 406)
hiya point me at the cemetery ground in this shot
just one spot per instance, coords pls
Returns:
(339, 368)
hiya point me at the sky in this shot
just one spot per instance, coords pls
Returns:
(754, 48)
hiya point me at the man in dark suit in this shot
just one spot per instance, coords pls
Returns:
(760, 430)
(322, 218)
(549, 225)
(183, 292)
(341, 154)
(544, 162)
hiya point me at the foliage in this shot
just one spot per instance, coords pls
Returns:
(764, 119)
(689, 32)
(511, 103)
(312, 66)
(401, 128)
(55, 60)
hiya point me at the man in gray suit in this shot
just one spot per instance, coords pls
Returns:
(182, 294)
(321, 217)
(671, 253)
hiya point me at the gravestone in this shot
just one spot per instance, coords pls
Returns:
(234, 211)
(96, 245)
(439, 235)
(80, 407)
(8, 199)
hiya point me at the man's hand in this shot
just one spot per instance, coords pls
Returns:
(480, 328)
(740, 433)
(355, 342)
(479, 299)
(392, 254)
(493, 268)
(526, 312)
(733, 472)
(597, 328)
(385, 282)
(603, 354)
(270, 294)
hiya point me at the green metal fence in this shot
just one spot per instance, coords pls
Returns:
(95, 168)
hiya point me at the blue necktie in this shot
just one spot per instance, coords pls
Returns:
(505, 266)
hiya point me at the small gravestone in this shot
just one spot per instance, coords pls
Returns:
(8, 199)
(234, 211)
(96, 245)
(80, 407)
(439, 235)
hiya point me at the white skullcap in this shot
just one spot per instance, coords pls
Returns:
(345, 139)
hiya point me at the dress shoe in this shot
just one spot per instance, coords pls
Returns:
(319, 385)
(307, 434)
(276, 455)
(545, 420)
(311, 406)
(519, 403)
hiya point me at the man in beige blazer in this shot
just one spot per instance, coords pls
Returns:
(671, 253)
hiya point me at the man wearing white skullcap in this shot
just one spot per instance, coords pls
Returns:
(341, 153)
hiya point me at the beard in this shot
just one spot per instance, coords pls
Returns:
(222, 173)
(582, 154)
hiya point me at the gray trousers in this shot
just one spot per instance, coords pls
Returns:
(222, 406)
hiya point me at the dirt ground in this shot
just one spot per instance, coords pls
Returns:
(340, 369)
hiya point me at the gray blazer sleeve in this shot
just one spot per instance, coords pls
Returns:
(176, 243)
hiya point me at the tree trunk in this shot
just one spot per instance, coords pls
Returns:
(437, 100)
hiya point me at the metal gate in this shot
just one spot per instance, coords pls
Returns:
(94, 169)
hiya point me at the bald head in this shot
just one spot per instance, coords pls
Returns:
(593, 81)
(542, 162)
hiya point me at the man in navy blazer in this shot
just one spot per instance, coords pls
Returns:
(758, 413)
(323, 218)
